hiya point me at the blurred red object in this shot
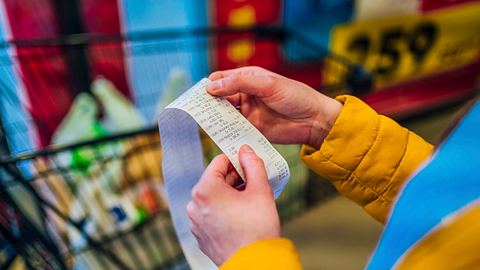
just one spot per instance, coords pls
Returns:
(43, 70)
(102, 16)
(427, 93)
(429, 5)
(243, 49)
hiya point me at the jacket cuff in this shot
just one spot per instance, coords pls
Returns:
(275, 253)
(354, 116)
(367, 156)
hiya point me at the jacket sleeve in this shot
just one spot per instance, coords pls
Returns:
(276, 253)
(367, 156)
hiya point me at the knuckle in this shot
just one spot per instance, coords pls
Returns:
(262, 71)
(190, 210)
(257, 160)
(235, 79)
(198, 194)
(269, 81)
(257, 68)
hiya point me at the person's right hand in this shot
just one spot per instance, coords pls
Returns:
(284, 110)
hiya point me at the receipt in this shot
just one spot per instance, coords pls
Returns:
(182, 158)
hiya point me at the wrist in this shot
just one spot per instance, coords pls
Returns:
(326, 114)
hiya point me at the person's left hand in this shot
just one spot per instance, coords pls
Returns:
(225, 219)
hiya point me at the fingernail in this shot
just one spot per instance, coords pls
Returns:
(214, 86)
(247, 148)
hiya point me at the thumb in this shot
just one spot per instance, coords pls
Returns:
(254, 85)
(254, 170)
(213, 177)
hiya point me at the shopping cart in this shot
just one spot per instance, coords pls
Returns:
(20, 237)
(101, 200)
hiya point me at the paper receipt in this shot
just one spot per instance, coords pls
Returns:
(182, 156)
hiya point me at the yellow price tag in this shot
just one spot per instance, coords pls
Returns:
(404, 47)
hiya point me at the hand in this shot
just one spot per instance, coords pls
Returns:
(225, 219)
(284, 110)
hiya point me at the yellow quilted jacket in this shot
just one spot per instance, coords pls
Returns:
(368, 157)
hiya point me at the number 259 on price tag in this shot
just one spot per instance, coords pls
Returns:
(409, 46)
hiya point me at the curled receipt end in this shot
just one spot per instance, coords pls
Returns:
(182, 158)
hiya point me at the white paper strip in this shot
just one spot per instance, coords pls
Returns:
(182, 158)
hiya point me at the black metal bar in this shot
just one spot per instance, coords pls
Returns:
(59, 148)
(266, 31)
(12, 170)
(4, 149)
(41, 243)
(70, 23)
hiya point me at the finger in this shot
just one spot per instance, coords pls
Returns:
(233, 179)
(254, 169)
(257, 85)
(192, 211)
(212, 179)
(218, 167)
(234, 100)
(227, 72)
(216, 75)
(194, 231)
(197, 233)
(224, 73)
